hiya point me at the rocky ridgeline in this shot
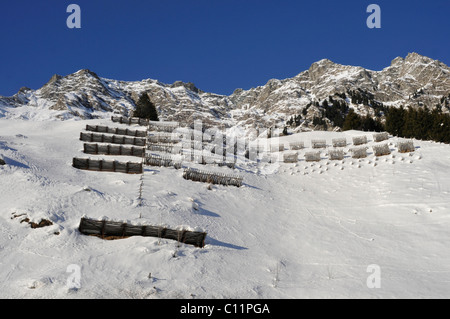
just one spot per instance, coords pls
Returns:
(415, 80)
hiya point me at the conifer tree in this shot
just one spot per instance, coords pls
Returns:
(395, 121)
(145, 108)
(352, 121)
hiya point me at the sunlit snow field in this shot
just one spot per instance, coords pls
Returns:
(305, 230)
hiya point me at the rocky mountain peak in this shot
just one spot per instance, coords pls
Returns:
(189, 85)
(414, 80)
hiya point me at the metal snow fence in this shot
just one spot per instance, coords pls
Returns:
(112, 139)
(380, 137)
(116, 130)
(107, 166)
(359, 152)
(381, 150)
(318, 143)
(339, 142)
(108, 149)
(162, 161)
(406, 147)
(359, 140)
(312, 156)
(290, 157)
(129, 120)
(295, 146)
(212, 177)
(336, 154)
(119, 230)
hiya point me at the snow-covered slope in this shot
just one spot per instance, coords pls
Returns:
(292, 231)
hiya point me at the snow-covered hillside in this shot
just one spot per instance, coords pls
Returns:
(305, 230)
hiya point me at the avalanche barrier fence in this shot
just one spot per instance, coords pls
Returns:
(116, 130)
(117, 230)
(130, 120)
(112, 139)
(107, 166)
(108, 149)
(211, 177)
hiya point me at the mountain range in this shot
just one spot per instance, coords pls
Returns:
(415, 80)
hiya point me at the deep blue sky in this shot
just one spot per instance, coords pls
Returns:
(218, 45)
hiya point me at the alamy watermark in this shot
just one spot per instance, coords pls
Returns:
(74, 279)
(236, 145)
(374, 279)
(374, 19)
(74, 19)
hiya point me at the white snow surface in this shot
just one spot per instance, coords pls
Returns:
(305, 230)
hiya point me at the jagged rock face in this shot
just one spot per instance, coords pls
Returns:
(407, 76)
(415, 80)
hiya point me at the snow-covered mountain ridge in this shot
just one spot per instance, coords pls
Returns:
(415, 80)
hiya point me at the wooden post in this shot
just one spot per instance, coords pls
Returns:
(102, 233)
(124, 227)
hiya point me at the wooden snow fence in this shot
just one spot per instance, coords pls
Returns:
(164, 138)
(278, 147)
(381, 149)
(162, 161)
(119, 230)
(339, 142)
(359, 152)
(290, 157)
(336, 154)
(380, 137)
(212, 177)
(109, 149)
(318, 143)
(112, 139)
(406, 147)
(312, 156)
(116, 130)
(359, 140)
(167, 127)
(129, 120)
(107, 166)
(213, 160)
(295, 146)
(165, 148)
